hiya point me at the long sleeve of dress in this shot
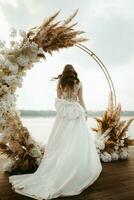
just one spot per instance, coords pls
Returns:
(58, 90)
(80, 96)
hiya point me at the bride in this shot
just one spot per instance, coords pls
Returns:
(70, 163)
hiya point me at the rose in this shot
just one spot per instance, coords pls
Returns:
(115, 156)
(13, 32)
(7, 166)
(106, 157)
(23, 60)
(35, 152)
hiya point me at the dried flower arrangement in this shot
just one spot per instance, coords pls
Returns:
(17, 144)
(112, 141)
(15, 140)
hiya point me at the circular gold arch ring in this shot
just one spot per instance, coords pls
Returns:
(103, 68)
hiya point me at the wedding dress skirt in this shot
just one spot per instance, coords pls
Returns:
(70, 163)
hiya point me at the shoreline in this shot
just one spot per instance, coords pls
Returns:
(48, 113)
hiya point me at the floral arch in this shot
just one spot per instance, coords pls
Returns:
(16, 143)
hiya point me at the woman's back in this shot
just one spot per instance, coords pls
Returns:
(70, 94)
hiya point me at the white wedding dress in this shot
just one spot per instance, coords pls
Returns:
(70, 163)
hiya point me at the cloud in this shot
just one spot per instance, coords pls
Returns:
(110, 26)
(12, 3)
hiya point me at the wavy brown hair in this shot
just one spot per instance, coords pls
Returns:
(68, 78)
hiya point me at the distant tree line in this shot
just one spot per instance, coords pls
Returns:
(51, 113)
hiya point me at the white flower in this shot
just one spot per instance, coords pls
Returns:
(99, 152)
(100, 144)
(40, 51)
(121, 143)
(106, 157)
(116, 147)
(123, 154)
(115, 156)
(23, 60)
(7, 102)
(22, 33)
(14, 68)
(34, 47)
(7, 63)
(9, 98)
(4, 88)
(13, 32)
(12, 42)
(16, 46)
(33, 58)
(19, 81)
(8, 51)
(3, 107)
(9, 79)
(35, 152)
(7, 166)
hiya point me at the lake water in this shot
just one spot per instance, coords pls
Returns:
(40, 127)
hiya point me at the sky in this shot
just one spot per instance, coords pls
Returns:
(109, 26)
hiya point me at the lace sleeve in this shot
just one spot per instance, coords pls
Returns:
(80, 96)
(58, 90)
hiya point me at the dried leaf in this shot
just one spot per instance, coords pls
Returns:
(50, 19)
(70, 18)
